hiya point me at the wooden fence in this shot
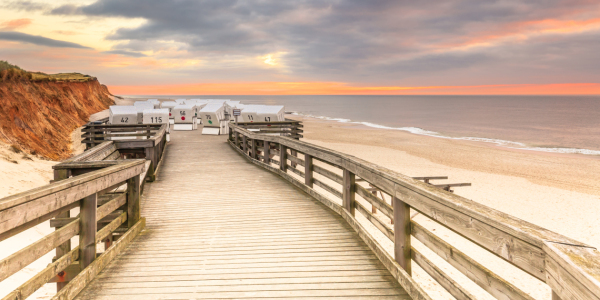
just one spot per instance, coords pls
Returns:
(95, 134)
(105, 183)
(137, 141)
(570, 268)
(290, 128)
(103, 211)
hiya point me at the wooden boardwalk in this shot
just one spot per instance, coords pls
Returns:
(220, 227)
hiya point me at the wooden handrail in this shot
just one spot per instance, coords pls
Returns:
(523, 244)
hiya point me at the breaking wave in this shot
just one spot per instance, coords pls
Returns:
(421, 131)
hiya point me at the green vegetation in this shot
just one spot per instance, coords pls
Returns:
(10, 71)
(39, 76)
(4, 65)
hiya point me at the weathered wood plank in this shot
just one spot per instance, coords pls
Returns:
(88, 274)
(380, 224)
(455, 289)
(383, 206)
(108, 229)
(486, 279)
(116, 201)
(349, 192)
(20, 259)
(331, 175)
(34, 222)
(573, 272)
(328, 188)
(404, 279)
(44, 200)
(41, 278)
(87, 234)
(402, 234)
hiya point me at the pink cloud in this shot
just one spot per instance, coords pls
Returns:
(14, 24)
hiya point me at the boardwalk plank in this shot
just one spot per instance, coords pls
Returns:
(219, 227)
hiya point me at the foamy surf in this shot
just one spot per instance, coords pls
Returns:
(421, 131)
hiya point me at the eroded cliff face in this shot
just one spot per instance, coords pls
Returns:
(40, 116)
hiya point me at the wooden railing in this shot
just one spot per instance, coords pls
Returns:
(150, 147)
(570, 268)
(290, 128)
(104, 211)
(95, 134)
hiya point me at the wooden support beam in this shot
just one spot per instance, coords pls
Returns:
(402, 234)
(308, 170)
(133, 201)
(245, 144)
(282, 158)
(266, 155)
(237, 139)
(253, 143)
(87, 232)
(349, 193)
(65, 247)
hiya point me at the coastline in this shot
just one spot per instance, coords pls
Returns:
(559, 192)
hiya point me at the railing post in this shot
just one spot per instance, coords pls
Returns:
(282, 158)
(349, 191)
(151, 155)
(245, 144)
(308, 170)
(294, 153)
(254, 155)
(65, 247)
(87, 230)
(402, 247)
(133, 200)
(237, 139)
(266, 152)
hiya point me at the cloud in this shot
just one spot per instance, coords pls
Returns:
(384, 41)
(14, 24)
(126, 53)
(25, 6)
(37, 40)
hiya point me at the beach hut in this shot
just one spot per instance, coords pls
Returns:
(250, 113)
(213, 115)
(180, 101)
(157, 116)
(143, 105)
(184, 117)
(271, 113)
(120, 114)
(169, 105)
(154, 102)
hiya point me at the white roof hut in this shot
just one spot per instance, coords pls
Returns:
(120, 114)
(250, 113)
(184, 117)
(271, 113)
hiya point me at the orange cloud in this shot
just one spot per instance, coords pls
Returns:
(524, 30)
(337, 88)
(16, 23)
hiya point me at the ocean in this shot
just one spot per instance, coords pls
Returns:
(561, 124)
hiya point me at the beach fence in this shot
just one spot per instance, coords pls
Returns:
(106, 188)
(571, 269)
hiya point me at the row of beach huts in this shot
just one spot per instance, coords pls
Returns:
(187, 114)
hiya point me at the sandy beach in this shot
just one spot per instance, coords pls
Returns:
(556, 191)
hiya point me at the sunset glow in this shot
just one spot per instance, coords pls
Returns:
(187, 47)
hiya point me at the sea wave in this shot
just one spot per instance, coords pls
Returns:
(421, 131)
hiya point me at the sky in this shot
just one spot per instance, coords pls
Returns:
(274, 47)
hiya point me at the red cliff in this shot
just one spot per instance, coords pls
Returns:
(40, 115)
